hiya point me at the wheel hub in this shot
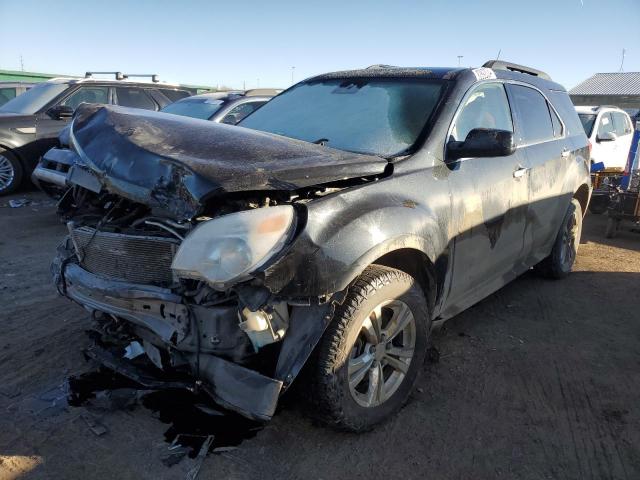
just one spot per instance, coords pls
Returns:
(382, 353)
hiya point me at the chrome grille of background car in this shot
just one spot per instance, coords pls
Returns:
(132, 258)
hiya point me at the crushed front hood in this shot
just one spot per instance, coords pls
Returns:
(176, 162)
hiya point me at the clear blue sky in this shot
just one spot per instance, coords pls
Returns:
(230, 42)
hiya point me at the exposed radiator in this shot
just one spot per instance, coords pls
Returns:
(132, 258)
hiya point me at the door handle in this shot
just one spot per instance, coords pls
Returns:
(519, 172)
(565, 153)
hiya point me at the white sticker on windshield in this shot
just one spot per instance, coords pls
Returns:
(484, 73)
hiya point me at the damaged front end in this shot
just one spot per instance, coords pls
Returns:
(164, 254)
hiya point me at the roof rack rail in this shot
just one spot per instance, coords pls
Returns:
(124, 76)
(514, 67)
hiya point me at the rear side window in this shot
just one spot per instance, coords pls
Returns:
(606, 124)
(566, 109)
(486, 107)
(533, 115)
(87, 95)
(174, 95)
(621, 123)
(7, 94)
(134, 98)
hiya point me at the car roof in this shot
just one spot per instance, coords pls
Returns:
(501, 70)
(230, 95)
(596, 109)
(17, 84)
(104, 81)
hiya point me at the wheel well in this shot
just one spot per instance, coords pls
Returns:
(582, 195)
(417, 264)
(12, 152)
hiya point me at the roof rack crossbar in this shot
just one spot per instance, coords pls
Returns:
(514, 67)
(124, 76)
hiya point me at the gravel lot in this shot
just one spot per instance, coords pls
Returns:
(540, 380)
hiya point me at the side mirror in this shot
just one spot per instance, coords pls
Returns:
(482, 142)
(606, 137)
(60, 112)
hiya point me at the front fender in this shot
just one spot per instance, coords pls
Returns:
(346, 232)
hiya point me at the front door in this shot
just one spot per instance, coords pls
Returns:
(490, 197)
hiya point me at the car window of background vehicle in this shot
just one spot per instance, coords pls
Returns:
(587, 122)
(620, 123)
(174, 95)
(87, 95)
(374, 116)
(7, 94)
(534, 116)
(202, 109)
(486, 107)
(135, 98)
(606, 124)
(240, 112)
(34, 99)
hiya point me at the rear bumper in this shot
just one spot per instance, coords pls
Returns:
(162, 313)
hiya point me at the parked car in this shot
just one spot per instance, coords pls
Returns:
(610, 131)
(9, 90)
(222, 107)
(31, 122)
(331, 230)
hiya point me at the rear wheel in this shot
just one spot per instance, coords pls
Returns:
(11, 172)
(565, 249)
(372, 352)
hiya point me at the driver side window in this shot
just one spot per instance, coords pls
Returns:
(87, 95)
(486, 107)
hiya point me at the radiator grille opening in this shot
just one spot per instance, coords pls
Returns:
(132, 258)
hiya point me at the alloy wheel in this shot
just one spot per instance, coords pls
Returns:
(382, 353)
(7, 173)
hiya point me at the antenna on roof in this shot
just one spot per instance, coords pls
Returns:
(498, 56)
(622, 62)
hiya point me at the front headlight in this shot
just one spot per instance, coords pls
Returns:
(227, 248)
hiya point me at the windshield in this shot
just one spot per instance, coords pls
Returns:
(587, 120)
(374, 116)
(203, 109)
(34, 99)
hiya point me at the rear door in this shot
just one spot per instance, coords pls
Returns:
(490, 198)
(549, 152)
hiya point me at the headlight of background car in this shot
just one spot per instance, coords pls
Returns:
(229, 247)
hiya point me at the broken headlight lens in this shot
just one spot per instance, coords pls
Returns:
(228, 248)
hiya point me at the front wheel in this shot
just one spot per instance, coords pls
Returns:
(372, 352)
(11, 172)
(565, 248)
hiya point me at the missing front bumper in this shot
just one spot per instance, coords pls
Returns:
(234, 387)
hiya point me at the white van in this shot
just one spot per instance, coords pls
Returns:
(610, 131)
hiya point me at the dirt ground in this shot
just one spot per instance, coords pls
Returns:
(540, 380)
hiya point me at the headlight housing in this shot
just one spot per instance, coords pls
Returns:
(228, 248)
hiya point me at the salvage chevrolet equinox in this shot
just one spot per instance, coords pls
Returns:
(352, 214)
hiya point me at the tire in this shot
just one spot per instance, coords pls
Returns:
(11, 172)
(350, 342)
(565, 248)
(612, 227)
(597, 208)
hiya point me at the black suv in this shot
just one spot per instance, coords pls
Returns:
(30, 123)
(355, 211)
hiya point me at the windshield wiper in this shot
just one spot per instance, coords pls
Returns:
(321, 141)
